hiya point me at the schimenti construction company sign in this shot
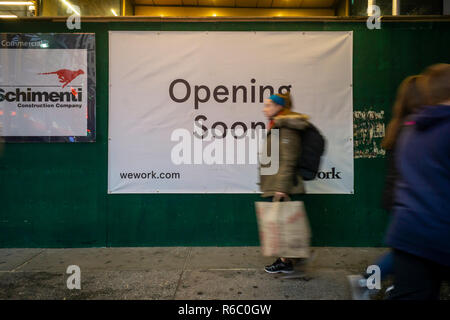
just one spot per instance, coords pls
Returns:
(47, 87)
(185, 108)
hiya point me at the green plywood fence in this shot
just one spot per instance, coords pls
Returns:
(55, 195)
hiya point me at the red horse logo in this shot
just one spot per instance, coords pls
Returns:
(66, 76)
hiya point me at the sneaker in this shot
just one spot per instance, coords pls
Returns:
(389, 289)
(388, 292)
(359, 290)
(280, 267)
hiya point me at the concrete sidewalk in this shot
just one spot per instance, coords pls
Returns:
(176, 273)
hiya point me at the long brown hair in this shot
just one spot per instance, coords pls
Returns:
(436, 83)
(409, 99)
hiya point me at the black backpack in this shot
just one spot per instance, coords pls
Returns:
(313, 147)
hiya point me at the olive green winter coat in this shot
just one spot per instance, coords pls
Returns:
(287, 179)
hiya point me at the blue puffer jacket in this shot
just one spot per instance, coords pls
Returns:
(421, 213)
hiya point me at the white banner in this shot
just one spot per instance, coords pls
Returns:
(161, 83)
(30, 93)
(47, 87)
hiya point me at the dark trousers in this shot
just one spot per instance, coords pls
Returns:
(416, 278)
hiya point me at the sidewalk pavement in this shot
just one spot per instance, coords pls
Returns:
(234, 273)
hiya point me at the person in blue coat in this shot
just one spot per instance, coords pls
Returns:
(409, 100)
(419, 232)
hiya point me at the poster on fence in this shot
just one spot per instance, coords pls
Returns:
(176, 97)
(47, 87)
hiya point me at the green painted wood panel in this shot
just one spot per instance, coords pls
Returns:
(55, 195)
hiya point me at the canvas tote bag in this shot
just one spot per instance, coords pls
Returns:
(284, 229)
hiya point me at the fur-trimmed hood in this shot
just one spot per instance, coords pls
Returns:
(290, 119)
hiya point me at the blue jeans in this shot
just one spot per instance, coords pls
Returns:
(386, 264)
